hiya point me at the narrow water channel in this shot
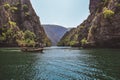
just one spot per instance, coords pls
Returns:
(60, 63)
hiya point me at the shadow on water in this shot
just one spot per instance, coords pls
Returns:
(60, 63)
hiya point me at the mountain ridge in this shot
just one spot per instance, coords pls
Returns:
(54, 32)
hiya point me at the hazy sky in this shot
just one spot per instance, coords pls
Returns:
(68, 13)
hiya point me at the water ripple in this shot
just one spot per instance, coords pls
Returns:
(60, 64)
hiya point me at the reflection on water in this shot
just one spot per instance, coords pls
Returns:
(60, 63)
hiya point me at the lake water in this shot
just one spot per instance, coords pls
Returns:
(60, 63)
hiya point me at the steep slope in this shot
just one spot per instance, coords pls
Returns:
(54, 32)
(20, 14)
(100, 29)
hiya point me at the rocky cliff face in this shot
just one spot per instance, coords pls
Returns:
(20, 13)
(101, 28)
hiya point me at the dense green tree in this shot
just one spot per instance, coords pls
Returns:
(26, 39)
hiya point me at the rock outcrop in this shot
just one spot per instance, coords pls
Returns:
(20, 14)
(100, 29)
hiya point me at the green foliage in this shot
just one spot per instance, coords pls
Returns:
(105, 1)
(26, 43)
(29, 35)
(107, 13)
(13, 9)
(6, 6)
(12, 23)
(20, 35)
(46, 41)
(11, 33)
(118, 5)
(72, 43)
(21, 42)
(82, 27)
(20, 38)
(59, 43)
(27, 14)
(30, 42)
(84, 41)
(25, 7)
(26, 38)
(63, 42)
(18, 3)
(66, 41)
(76, 36)
(3, 37)
(7, 34)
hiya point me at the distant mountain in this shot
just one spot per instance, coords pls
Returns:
(55, 32)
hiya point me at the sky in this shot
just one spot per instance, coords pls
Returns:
(67, 13)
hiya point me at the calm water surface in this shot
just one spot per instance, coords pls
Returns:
(60, 63)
